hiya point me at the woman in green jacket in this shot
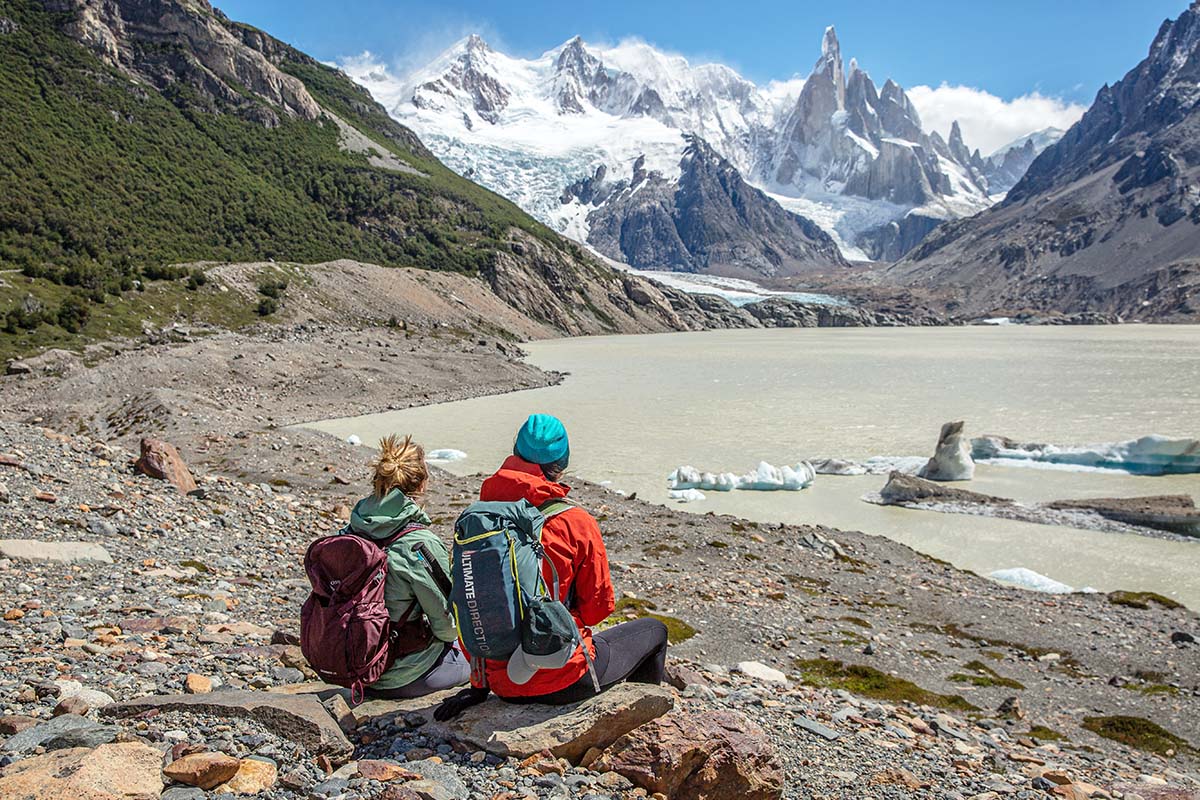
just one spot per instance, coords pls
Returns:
(425, 637)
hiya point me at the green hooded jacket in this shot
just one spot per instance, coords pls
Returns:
(408, 579)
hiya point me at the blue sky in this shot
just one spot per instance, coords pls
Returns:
(1060, 48)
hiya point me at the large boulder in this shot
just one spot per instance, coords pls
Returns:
(698, 755)
(566, 731)
(902, 489)
(161, 460)
(952, 459)
(52, 362)
(121, 771)
(299, 718)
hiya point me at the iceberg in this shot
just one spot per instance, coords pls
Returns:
(1028, 579)
(445, 454)
(1035, 581)
(353, 439)
(764, 478)
(952, 458)
(686, 495)
(876, 465)
(1149, 455)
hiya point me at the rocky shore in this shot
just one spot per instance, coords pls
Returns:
(867, 669)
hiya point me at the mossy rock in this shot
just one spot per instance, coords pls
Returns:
(678, 631)
(870, 682)
(983, 675)
(1044, 734)
(1138, 733)
(1141, 600)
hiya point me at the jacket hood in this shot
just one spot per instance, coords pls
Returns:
(519, 479)
(379, 518)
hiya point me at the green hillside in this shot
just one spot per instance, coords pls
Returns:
(105, 181)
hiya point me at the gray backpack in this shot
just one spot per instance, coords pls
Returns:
(502, 605)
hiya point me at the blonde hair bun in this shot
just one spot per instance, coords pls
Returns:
(401, 465)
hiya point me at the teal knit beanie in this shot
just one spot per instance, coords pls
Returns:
(543, 440)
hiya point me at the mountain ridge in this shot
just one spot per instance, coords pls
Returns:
(152, 134)
(842, 153)
(1106, 219)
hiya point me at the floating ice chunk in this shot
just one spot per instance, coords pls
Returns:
(446, 454)
(1149, 455)
(1028, 579)
(687, 477)
(686, 495)
(952, 459)
(765, 477)
(838, 466)
(353, 439)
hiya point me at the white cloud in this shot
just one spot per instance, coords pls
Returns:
(989, 122)
(370, 71)
(783, 94)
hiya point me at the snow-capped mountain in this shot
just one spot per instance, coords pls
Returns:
(833, 149)
(1004, 167)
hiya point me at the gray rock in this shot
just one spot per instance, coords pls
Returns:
(816, 728)
(63, 552)
(61, 732)
(182, 793)
(299, 718)
(443, 775)
(566, 731)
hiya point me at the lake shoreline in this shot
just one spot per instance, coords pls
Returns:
(752, 590)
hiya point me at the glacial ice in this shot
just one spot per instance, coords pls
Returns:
(765, 477)
(686, 495)
(1028, 579)
(445, 454)
(1035, 581)
(876, 465)
(952, 459)
(353, 439)
(1149, 455)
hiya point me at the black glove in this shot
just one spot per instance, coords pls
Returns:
(451, 707)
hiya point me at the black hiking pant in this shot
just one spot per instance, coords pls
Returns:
(634, 651)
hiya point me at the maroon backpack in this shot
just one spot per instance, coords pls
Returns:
(345, 630)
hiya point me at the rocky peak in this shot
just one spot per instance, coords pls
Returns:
(475, 44)
(165, 41)
(579, 76)
(471, 73)
(957, 147)
(830, 64)
(862, 100)
(897, 114)
(1160, 92)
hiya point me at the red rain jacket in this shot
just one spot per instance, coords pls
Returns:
(572, 541)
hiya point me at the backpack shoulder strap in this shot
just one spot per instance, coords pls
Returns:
(553, 508)
(387, 541)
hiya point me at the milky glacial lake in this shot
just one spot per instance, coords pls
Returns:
(637, 407)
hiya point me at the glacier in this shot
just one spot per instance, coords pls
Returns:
(1148, 455)
(764, 478)
(737, 291)
(528, 128)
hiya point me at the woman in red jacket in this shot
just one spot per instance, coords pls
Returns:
(634, 651)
